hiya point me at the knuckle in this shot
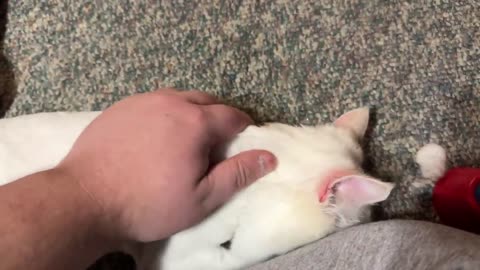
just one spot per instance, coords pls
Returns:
(198, 116)
(199, 126)
(236, 117)
(195, 92)
(227, 111)
(242, 175)
(232, 118)
(200, 93)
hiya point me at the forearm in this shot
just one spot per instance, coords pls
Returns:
(48, 223)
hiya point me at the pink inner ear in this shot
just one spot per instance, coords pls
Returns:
(344, 120)
(330, 179)
(354, 120)
(355, 191)
(359, 190)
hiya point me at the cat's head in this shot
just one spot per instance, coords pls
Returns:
(327, 160)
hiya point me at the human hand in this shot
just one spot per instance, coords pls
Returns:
(145, 162)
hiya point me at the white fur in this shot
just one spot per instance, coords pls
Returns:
(276, 214)
(35, 142)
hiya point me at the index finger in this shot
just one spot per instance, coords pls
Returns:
(199, 97)
(225, 122)
(192, 96)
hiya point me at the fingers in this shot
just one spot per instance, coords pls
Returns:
(198, 97)
(192, 96)
(225, 122)
(233, 175)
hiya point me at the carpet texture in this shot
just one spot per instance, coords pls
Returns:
(416, 63)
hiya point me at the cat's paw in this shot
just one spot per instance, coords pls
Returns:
(432, 159)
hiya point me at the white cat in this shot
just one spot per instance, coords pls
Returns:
(317, 188)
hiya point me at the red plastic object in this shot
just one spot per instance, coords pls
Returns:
(456, 199)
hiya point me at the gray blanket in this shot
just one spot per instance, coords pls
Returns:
(416, 63)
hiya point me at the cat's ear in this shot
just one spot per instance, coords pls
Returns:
(355, 120)
(356, 191)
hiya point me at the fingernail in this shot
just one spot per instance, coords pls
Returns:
(267, 162)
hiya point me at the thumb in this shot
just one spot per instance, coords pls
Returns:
(233, 174)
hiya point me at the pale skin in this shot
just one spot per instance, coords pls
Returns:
(140, 172)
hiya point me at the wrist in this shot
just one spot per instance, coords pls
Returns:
(87, 214)
(56, 222)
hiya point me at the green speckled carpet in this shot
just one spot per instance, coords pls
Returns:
(416, 63)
